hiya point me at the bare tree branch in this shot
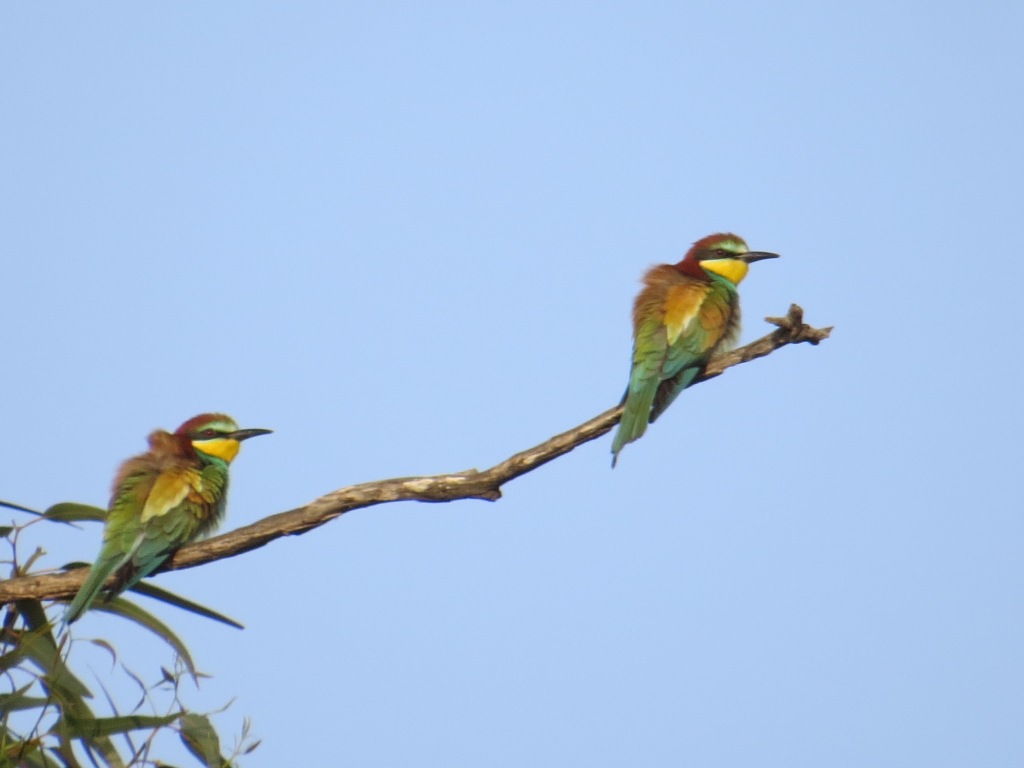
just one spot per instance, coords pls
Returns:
(470, 484)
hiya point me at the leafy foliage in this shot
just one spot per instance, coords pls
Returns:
(48, 714)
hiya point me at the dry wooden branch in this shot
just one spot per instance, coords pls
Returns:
(470, 484)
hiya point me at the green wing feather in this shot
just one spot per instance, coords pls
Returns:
(716, 325)
(661, 370)
(133, 548)
(670, 388)
(649, 353)
(686, 358)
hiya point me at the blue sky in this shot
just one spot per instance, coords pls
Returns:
(406, 236)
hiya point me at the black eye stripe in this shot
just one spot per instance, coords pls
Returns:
(716, 253)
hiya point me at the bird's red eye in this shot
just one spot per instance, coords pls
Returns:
(207, 434)
(720, 251)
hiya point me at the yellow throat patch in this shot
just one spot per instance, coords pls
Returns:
(733, 270)
(223, 448)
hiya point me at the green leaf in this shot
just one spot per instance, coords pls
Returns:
(100, 727)
(24, 753)
(12, 702)
(35, 618)
(5, 531)
(129, 610)
(39, 646)
(200, 738)
(150, 590)
(70, 693)
(11, 659)
(107, 647)
(73, 512)
(64, 685)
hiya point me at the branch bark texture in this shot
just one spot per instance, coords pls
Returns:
(469, 484)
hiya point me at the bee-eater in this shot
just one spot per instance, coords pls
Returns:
(684, 314)
(170, 495)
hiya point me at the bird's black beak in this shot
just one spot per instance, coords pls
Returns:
(751, 256)
(245, 434)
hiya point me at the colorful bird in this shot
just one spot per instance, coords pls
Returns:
(170, 495)
(684, 314)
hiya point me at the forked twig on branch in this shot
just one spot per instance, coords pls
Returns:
(470, 484)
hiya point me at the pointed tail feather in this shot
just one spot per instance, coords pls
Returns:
(98, 575)
(633, 423)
